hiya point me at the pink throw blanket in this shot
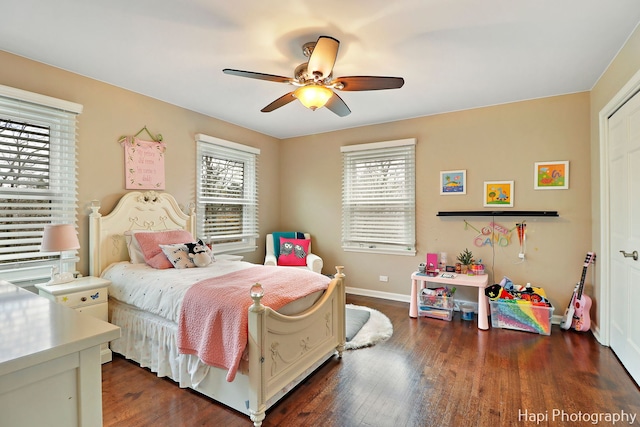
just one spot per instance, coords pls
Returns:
(213, 320)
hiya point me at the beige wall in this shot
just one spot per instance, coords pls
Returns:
(621, 70)
(110, 112)
(495, 143)
(300, 179)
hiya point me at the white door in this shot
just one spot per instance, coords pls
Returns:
(624, 229)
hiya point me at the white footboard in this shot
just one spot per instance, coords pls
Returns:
(282, 348)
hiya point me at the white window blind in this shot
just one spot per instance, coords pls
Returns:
(378, 197)
(227, 192)
(37, 181)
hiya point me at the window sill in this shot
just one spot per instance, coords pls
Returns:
(234, 251)
(405, 252)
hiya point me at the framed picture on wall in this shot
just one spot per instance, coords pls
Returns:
(498, 194)
(551, 175)
(453, 182)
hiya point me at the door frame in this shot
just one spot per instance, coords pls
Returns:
(604, 275)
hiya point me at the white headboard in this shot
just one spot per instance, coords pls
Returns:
(135, 211)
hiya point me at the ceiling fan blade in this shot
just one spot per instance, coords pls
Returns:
(369, 83)
(338, 106)
(259, 76)
(283, 100)
(323, 57)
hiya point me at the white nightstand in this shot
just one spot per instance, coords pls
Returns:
(86, 295)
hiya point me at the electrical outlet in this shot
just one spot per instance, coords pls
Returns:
(521, 255)
(384, 278)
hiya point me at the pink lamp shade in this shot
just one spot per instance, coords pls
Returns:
(59, 237)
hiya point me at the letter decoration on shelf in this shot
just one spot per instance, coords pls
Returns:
(491, 234)
(144, 162)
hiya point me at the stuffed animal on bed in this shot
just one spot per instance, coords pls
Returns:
(198, 253)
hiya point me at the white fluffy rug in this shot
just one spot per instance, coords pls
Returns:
(377, 329)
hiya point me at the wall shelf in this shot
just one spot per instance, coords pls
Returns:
(499, 213)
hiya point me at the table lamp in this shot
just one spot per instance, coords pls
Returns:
(59, 238)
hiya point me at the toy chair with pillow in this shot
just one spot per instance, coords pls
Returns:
(292, 249)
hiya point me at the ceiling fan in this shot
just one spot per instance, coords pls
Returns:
(315, 80)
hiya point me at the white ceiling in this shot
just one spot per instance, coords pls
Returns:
(453, 54)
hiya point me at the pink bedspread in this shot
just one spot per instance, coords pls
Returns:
(213, 320)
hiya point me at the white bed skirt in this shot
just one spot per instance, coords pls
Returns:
(151, 341)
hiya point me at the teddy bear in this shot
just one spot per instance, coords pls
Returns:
(198, 253)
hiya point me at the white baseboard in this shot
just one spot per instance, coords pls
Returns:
(399, 297)
(596, 333)
(378, 294)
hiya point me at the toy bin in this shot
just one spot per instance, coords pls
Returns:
(436, 306)
(521, 316)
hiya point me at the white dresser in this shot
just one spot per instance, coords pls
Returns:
(50, 370)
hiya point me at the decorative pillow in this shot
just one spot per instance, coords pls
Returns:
(293, 252)
(277, 235)
(135, 253)
(188, 255)
(133, 247)
(178, 255)
(150, 245)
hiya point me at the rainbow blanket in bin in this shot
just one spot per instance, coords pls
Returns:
(521, 308)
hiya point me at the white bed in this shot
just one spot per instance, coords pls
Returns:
(282, 349)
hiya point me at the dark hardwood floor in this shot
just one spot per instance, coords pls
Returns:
(430, 373)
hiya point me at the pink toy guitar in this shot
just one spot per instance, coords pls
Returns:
(582, 303)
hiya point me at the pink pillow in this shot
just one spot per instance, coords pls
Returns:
(293, 252)
(150, 245)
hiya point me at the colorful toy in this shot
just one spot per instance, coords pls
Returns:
(524, 308)
(436, 302)
(507, 290)
(524, 317)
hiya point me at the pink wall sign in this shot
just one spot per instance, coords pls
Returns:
(143, 164)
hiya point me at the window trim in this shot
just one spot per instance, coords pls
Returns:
(381, 247)
(206, 144)
(42, 100)
(26, 273)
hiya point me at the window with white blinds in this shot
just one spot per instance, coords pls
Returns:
(37, 181)
(378, 197)
(227, 193)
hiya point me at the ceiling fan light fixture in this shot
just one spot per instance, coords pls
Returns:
(314, 82)
(313, 96)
